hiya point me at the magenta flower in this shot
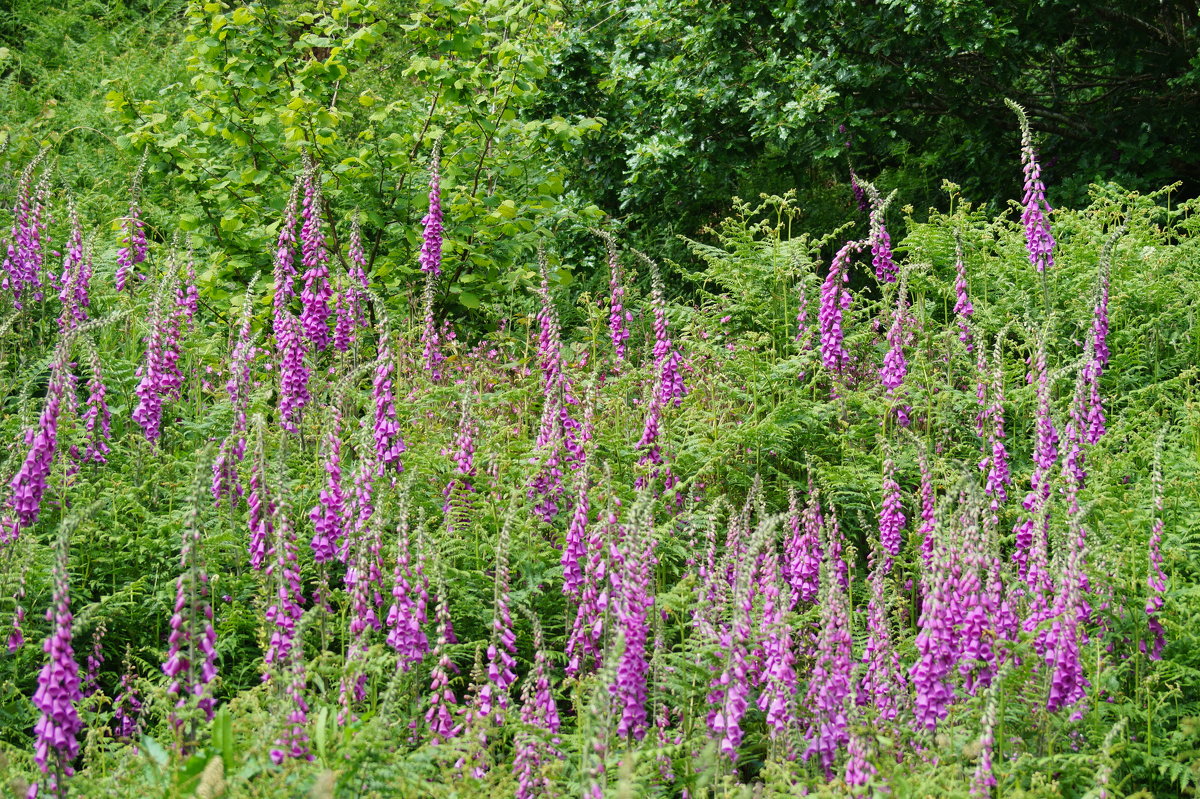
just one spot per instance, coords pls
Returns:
(160, 376)
(802, 553)
(884, 682)
(633, 597)
(584, 645)
(829, 685)
(502, 649)
(261, 505)
(963, 309)
(191, 655)
(537, 740)
(127, 707)
(133, 236)
(28, 485)
(895, 367)
(1038, 239)
(285, 610)
(618, 316)
(1032, 533)
(431, 240)
(388, 444)
(835, 300)
(1156, 580)
(778, 673)
(293, 373)
(76, 276)
(329, 514)
(440, 715)
(21, 270)
(410, 597)
(96, 418)
(891, 514)
(57, 729)
(314, 299)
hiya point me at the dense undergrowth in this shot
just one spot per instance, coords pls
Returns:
(339, 485)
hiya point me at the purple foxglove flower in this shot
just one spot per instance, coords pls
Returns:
(293, 373)
(389, 446)
(407, 612)
(575, 545)
(1038, 239)
(995, 460)
(860, 771)
(160, 377)
(56, 742)
(431, 240)
(984, 780)
(76, 275)
(633, 597)
(431, 340)
(285, 256)
(1156, 580)
(881, 249)
(95, 659)
(537, 741)
(884, 683)
(283, 573)
(28, 485)
(802, 554)
(440, 716)
(261, 505)
(860, 194)
(314, 298)
(895, 367)
(585, 643)
(191, 655)
(127, 707)
(963, 309)
(619, 316)
(97, 419)
(1032, 533)
(928, 520)
(835, 300)
(778, 673)
(829, 685)
(294, 741)
(329, 514)
(133, 235)
(891, 514)
(935, 642)
(502, 650)
(21, 271)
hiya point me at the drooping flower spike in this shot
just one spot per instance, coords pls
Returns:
(1039, 241)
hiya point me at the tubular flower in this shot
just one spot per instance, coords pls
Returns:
(407, 612)
(1099, 343)
(22, 267)
(58, 727)
(94, 661)
(127, 707)
(233, 448)
(835, 300)
(963, 309)
(191, 662)
(829, 686)
(293, 373)
(984, 780)
(97, 419)
(928, 520)
(431, 340)
(294, 741)
(537, 740)
(895, 368)
(1156, 580)
(329, 514)
(995, 461)
(285, 257)
(883, 681)
(935, 642)
(133, 234)
(1038, 239)
(632, 592)
(76, 275)
(160, 376)
(667, 360)
(314, 299)
(575, 545)
(881, 249)
(261, 505)
(802, 554)
(458, 490)
(431, 240)
(584, 646)
(891, 515)
(28, 485)
(284, 612)
(502, 649)
(440, 715)
(778, 695)
(804, 331)
(618, 316)
(1032, 533)
(389, 446)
